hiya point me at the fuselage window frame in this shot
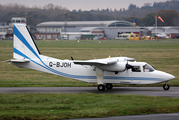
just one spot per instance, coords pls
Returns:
(136, 69)
(148, 68)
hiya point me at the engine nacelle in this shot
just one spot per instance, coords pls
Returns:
(118, 67)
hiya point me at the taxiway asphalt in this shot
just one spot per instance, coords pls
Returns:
(149, 91)
(171, 116)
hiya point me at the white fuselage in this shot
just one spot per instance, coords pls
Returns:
(87, 73)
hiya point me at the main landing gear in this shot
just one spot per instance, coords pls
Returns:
(166, 86)
(109, 86)
(101, 87)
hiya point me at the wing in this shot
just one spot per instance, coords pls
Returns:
(96, 62)
(106, 61)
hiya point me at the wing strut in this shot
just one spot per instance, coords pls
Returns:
(99, 74)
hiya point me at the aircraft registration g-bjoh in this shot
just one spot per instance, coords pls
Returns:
(108, 71)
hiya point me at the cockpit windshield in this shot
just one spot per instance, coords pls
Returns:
(148, 68)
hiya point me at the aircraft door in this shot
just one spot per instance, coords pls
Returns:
(128, 74)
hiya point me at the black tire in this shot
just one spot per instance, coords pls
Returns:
(109, 86)
(166, 86)
(101, 87)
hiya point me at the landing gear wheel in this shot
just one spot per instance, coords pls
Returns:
(109, 86)
(166, 86)
(101, 87)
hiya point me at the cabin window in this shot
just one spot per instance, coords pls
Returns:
(23, 21)
(136, 69)
(148, 68)
(18, 21)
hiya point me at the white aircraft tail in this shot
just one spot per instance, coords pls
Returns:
(24, 45)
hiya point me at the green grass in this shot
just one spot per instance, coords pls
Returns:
(86, 105)
(162, 54)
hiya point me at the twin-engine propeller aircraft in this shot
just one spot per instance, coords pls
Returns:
(108, 71)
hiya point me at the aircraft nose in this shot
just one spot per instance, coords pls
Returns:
(168, 76)
(164, 76)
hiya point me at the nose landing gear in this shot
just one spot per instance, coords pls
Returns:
(166, 86)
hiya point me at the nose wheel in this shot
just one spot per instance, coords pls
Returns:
(166, 86)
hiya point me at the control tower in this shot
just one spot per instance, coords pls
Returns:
(18, 20)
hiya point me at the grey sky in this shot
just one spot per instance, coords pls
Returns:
(83, 4)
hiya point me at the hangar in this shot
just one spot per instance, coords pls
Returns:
(108, 29)
(167, 30)
(49, 30)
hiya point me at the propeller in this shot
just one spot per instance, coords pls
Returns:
(128, 66)
(72, 58)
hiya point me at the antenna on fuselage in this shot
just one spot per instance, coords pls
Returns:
(72, 58)
(94, 56)
(119, 54)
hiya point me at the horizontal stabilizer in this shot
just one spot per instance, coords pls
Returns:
(18, 61)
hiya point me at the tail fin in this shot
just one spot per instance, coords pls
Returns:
(24, 45)
(134, 23)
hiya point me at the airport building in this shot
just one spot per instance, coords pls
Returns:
(5, 31)
(71, 29)
(90, 29)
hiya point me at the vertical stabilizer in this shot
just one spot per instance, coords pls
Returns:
(24, 45)
(135, 22)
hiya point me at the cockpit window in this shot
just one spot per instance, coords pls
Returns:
(148, 68)
(136, 69)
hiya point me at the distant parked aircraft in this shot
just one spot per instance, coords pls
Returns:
(135, 22)
(161, 35)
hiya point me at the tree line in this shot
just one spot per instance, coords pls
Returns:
(145, 15)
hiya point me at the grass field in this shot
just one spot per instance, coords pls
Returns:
(86, 105)
(162, 54)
